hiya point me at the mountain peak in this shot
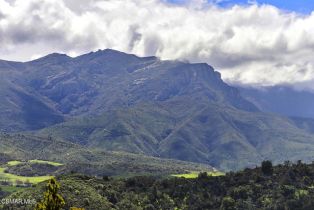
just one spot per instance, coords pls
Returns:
(107, 51)
(113, 54)
(52, 58)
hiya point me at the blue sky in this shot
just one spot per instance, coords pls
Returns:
(300, 6)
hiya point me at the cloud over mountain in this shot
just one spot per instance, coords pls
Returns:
(257, 45)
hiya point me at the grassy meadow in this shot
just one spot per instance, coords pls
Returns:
(14, 179)
(194, 174)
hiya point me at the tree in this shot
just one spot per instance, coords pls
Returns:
(228, 203)
(202, 175)
(267, 167)
(52, 200)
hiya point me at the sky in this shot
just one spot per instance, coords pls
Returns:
(300, 6)
(256, 43)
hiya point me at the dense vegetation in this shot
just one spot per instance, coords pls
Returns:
(286, 186)
(79, 159)
(21, 162)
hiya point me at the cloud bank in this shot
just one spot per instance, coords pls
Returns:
(257, 45)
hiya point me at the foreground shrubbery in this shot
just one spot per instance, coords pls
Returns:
(287, 186)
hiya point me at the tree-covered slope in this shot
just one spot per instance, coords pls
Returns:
(286, 186)
(88, 161)
(211, 133)
(21, 108)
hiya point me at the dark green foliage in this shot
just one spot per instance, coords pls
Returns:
(4, 158)
(228, 203)
(2, 193)
(267, 167)
(248, 189)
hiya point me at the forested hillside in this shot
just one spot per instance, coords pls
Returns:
(76, 158)
(286, 186)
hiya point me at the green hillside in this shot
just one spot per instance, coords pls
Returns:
(215, 134)
(76, 158)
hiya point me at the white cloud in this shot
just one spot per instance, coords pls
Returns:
(254, 45)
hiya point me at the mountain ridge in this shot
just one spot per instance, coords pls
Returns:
(76, 87)
(281, 99)
(171, 109)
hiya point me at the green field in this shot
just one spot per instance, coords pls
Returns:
(14, 179)
(194, 174)
(14, 163)
(46, 162)
(17, 162)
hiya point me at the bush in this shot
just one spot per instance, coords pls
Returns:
(228, 203)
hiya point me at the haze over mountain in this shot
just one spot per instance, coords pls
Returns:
(282, 100)
(115, 101)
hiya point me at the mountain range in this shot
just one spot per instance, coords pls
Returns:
(281, 99)
(113, 101)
